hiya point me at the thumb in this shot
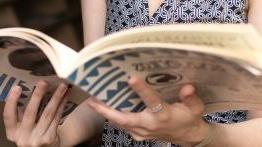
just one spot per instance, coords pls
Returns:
(189, 98)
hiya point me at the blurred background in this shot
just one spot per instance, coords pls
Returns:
(60, 19)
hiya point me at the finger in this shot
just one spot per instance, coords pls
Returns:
(31, 110)
(10, 109)
(123, 119)
(190, 99)
(140, 131)
(150, 97)
(137, 137)
(51, 108)
(52, 130)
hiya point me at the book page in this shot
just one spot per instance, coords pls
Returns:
(237, 38)
(22, 63)
(220, 82)
(60, 55)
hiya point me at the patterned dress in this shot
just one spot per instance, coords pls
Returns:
(125, 14)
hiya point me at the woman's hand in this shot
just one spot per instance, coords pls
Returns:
(178, 123)
(23, 129)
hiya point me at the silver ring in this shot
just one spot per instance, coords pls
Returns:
(156, 108)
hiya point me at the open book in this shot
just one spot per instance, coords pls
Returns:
(223, 62)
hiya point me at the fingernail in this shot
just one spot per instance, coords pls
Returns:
(63, 86)
(16, 88)
(187, 90)
(132, 80)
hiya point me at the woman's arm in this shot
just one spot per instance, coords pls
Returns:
(245, 134)
(248, 133)
(255, 18)
(255, 14)
(94, 16)
(83, 124)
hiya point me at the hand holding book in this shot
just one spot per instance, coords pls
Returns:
(178, 122)
(27, 129)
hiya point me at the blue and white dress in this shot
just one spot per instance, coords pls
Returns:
(125, 14)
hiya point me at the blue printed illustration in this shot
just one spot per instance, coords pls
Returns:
(105, 77)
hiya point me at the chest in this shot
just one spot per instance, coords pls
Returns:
(123, 14)
(150, 8)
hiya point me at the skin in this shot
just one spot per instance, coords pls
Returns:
(172, 123)
(180, 122)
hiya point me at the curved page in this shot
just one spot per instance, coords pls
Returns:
(222, 83)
